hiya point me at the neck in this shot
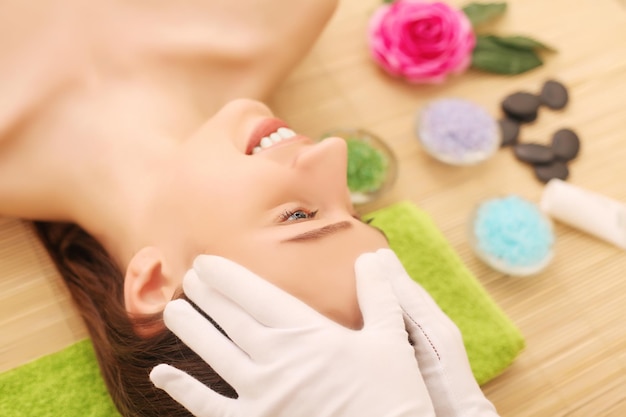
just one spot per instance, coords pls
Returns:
(136, 129)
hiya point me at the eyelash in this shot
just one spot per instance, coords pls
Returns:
(285, 215)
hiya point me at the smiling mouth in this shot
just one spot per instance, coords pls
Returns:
(281, 134)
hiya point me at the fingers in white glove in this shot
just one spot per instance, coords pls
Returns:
(379, 306)
(235, 321)
(226, 358)
(200, 400)
(417, 302)
(261, 299)
(439, 348)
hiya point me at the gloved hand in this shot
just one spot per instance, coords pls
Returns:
(284, 358)
(438, 345)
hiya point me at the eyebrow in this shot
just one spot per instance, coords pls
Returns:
(320, 233)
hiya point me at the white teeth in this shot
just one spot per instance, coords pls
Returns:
(285, 133)
(267, 141)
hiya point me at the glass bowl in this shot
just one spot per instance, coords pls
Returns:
(512, 235)
(372, 165)
(457, 131)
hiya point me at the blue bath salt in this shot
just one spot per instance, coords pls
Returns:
(513, 231)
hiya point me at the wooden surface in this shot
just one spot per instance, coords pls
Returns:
(572, 315)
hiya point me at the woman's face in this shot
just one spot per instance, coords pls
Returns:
(283, 211)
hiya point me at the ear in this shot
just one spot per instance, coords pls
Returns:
(146, 288)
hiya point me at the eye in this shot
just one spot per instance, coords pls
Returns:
(297, 215)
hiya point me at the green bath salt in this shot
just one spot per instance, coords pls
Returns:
(367, 167)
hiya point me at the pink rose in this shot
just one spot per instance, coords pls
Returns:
(421, 41)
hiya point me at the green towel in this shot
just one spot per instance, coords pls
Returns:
(67, 383)
(64, 384)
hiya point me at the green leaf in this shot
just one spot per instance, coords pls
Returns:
(522, 42)
(492, 56)
(388, 1)
(479, 13)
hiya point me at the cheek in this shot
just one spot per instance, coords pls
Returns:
(344, 248)
(217, 204)
(320, 273)
(294, 263)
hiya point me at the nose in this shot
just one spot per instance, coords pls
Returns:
(326, 164)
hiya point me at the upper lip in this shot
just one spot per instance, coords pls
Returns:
(264, 128)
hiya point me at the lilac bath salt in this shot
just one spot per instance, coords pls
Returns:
(457, 131)
(512, 235)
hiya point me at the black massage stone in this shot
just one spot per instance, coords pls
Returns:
(554, 95)
(510, 131)
(565, 144)
(521, 106)
(533, 153)
(554, 169)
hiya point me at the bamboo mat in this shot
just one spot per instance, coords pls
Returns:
(572, 314)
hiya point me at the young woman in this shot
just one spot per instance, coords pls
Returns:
(124, 138)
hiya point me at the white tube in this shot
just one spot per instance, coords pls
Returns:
(588, 211)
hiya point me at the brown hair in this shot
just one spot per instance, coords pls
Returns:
(125, 358)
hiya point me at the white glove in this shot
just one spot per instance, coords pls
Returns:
(438, 347)
(287, 360)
